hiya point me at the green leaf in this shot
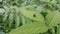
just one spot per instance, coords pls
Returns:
(53, 2)
(17, 17)
(5, 18)
(53, 18)
(11, 18)
(58, 29)
(33, 15)
(31, 28)
(23, 20)
(44, 0)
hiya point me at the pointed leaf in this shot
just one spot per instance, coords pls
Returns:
(31, 28)
(53, 18)
(33, 15)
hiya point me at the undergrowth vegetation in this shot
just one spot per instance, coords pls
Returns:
(30, 17)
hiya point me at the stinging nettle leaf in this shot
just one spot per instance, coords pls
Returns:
(31, 28)
(53, 18)
(33, 15)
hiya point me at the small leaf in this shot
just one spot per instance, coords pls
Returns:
(17, 17)
(58, 29)
(11, 17)
(23, 20)
(31, 28)
(53, 18)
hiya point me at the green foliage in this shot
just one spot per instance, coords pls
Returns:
(31, 28)
(30, 17)
(58, 29)
(53, 18)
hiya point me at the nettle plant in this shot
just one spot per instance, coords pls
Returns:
(38, 24)
(30, 17)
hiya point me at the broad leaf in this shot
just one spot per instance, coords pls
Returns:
(31, 28)
(33, 15)
(53, 18)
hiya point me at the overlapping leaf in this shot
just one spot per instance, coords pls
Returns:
(32, 15)
(31, 28)
(17, 17)
(53, 18)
